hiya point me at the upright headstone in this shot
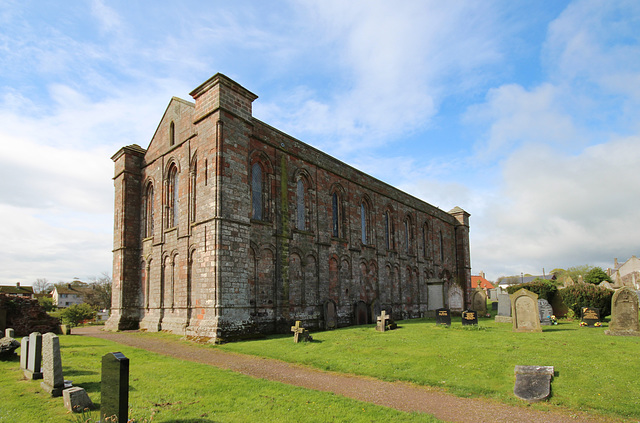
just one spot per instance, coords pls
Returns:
(504, 309)
(624, 313)
(533, 383)
(384, 322)
(443, 316)
(330, 316)
(24, 353)
(591, 317)
(53, 381)
(114, 388)
(455, 299)
(34, 361)
(546, 311)
(469, 317)
(435, 295)
(524, 311)
(9, 333)
(479, 301)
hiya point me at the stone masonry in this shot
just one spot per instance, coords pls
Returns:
(225, 227)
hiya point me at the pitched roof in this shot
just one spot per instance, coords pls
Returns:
(483, 282)
(74, 290)
(16, 289)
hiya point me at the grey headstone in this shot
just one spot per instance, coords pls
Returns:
(77, 400)
(435, 297)
(53, 381)
(546, 311)
(34, 360)
(504, 305)
(479, 301)
(330, 316)
(533, 383)
(524, 310)
(114, 390)
(455, 298)
(9, 333)
(24, 353)
(624, 313)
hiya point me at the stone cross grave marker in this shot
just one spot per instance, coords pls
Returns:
(469, 317)
(9, 333)
(624, 313)
(300, 332)
(53, 381)
(382, 321)
(590, 316)
(533, 383)
(443, 316)
(479, 301)
(34, 359)
(114, 388)
(524, 311)
(546, 311)
(24, 353)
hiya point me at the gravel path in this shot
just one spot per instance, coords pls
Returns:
(398, 395)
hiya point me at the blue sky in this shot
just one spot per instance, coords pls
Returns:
(526, 114)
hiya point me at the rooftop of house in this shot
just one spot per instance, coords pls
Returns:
(475, 280)
(16, 289)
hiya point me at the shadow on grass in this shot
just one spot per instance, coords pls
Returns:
(79, 372)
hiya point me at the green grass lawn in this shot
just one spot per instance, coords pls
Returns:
(165, 389)
(594, 372)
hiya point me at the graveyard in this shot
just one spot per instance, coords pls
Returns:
(593, 373)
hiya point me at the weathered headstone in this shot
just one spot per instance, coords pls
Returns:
(624, 313)
(65, 329)
(76, 400)
(443, 316)
(300, 333)
(533, 383)
(479, 301)
(9, 333)
(384, 322)
(524, 311)
(53, 381)
(330, 316)
(469, 317)
(504, 309)
(24, 353)
(114, 388)
(455, 299)
(494, 306)
(34, 360)
(546, 311)
(591, 316)
(435, 295)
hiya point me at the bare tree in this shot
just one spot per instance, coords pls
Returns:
(42, 286)
(99, 293)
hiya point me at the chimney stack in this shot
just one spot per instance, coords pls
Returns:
(18, 284)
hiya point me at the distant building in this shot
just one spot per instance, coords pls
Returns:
(625, 274)
(17, 290)
(481, 282)
(68, 295)
(506, 281)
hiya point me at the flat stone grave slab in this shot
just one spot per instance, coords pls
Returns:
(443, 316)
(469, 317)
(533, 383)
(590, 317)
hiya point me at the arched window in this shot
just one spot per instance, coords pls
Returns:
(147, 225)
(364, 224)
(425, 232)
(407, 238)
(172, 133)
(192, 192)
(256, 192)
(335, 214)
(300, 206)
(387, 230)
(441, 248)
(172, 197)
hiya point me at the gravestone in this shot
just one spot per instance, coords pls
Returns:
(34, 360)
(443, 316)
(330, 316)
(24, 353)
(479, 301)
(455, 299)
(546, 311)
(300, 333)
(361, 314)
(7, 348)
(9, 333)
(504, 309)
(591, 316)
(53, 381)
(494, 306)
(114, 387)
(533, 383)
(624, 313)
(524, 311)
(385, 322)
(435, 296)
(469, 317)
(76, 400)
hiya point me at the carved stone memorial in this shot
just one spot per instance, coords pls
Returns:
(24, 353)
(504, 309)
(53, 381)
(546, 311)
(330, 316)
(443, 316)
(455, 299)
(114, 388)
(300, 333)
(591, 316)
(624, 313)
(385, 322)
(76, 400)
(524, 311)
(479, 301)
(533, 383)
(469, 317)
(34, 360)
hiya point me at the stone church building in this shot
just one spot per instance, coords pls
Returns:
(226, 227)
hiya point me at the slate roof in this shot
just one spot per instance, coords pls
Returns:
(16, 290)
